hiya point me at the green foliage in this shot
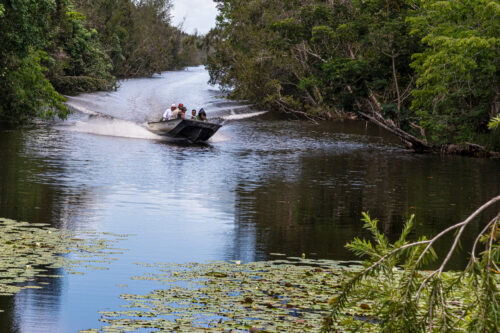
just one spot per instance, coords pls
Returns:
(30, 250)
(80, 63)
(88, 44)
(24, 90)
(494, 123)
(458, 70)
(427, 67)
(138, 36)
(29, 94)
(408, 299)
(288, 295)
(23, 25)
(322, 56)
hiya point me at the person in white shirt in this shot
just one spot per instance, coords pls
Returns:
(168, 112)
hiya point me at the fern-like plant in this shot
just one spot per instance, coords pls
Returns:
(403, 298)
(494, 123)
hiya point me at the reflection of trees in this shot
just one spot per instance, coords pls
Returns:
(320, 211)
(6, 317)
(27, 195)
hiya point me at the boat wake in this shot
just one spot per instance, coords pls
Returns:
(125, 112)
(92, 122)
(82, 109)
(219, 137)
(89, 121)
(113, 127)
(242, 116)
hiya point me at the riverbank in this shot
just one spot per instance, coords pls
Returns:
(421, 146)
(402, 67)
(411, 142)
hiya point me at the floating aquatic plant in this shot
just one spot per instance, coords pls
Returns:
(291, 295)
(29, 250)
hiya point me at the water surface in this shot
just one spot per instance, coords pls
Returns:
(261, 185)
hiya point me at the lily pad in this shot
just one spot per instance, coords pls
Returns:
(275, 296)
(28, 251)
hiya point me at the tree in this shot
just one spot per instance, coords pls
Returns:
(138, 36)
(24, 91)
(458, 71)
(79, 61)
(317, 58)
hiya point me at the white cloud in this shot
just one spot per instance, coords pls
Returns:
(198, 14)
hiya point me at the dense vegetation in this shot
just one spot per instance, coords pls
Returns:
(138, 36)
(383, 60)
(68, 46)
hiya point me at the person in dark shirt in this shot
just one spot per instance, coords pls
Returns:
(202, 115)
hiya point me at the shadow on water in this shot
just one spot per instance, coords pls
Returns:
(186, 144)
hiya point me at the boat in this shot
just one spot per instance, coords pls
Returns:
(193, 130)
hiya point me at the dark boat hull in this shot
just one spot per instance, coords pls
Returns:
(193, 130)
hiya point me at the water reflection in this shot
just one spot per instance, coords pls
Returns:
(262, 185)
(319, 210)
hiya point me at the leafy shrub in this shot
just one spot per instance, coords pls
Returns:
(27, 94)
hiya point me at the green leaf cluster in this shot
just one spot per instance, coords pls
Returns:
(409, 299)
(25, 92)
(458, 69)
(32, 250)
(326, 57)
(494, 123)
(288, 295)
(79, 62)
(29, 94)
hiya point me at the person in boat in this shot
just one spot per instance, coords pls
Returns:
(202, 115)
(193, 115)
(167, 115)
(182, 111)
(177, 113)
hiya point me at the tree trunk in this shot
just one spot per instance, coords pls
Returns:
(409, 140)
(394, 73)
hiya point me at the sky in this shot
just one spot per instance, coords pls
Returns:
(198, 14)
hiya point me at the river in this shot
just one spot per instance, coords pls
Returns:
(262, 184)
